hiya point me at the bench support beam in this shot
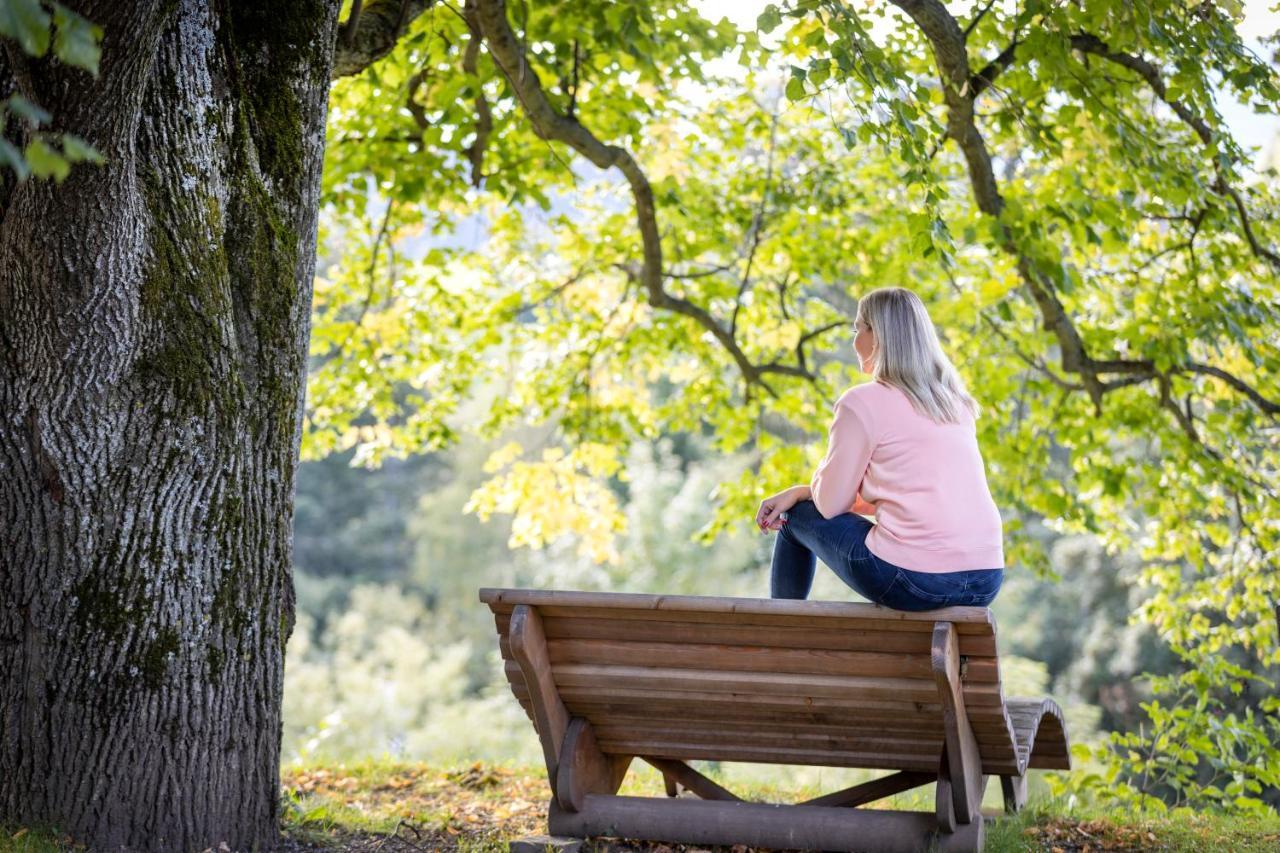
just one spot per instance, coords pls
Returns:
(690, 821)
(677, 771)
(583, 769)
(876, 789)
(963, 763)
(529, 648)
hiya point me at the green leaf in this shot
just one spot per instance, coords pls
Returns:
(769, 19)
(76, 150)
(27, 23)
(45, 162)
(10, 156)
(76, 41)
(795, 89)
(24, 108)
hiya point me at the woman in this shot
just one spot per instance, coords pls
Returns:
(904, 449)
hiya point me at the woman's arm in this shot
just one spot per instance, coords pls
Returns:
(835, 483)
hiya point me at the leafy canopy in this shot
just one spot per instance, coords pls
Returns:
(1056, 182)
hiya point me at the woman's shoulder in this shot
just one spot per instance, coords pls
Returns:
(882, 406)
(869, 394)
(874, 403)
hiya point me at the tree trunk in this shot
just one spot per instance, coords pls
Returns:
(153, 340)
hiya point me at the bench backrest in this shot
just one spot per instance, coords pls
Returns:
(762, 680)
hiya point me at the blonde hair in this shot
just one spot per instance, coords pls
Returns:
(909, 357)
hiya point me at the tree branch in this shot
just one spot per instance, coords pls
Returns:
(983, 79)
(371, 32)
(1089, 43)
(484, 117)
(978, 17)
(757, 226)
(952, 60)
(548, 124)
(347, 31)
(1269, 406)
(950, 55)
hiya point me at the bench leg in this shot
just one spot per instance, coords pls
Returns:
(583, 769)
(529, 648)
(961, 760)
(1015, 792)
(670, 784)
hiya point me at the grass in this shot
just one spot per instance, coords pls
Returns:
(482, 807)
(478, 808)
(26, 840)
(1043, 827)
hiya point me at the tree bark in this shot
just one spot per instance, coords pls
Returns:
(154, 316)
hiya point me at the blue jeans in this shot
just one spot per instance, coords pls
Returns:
(841, 543)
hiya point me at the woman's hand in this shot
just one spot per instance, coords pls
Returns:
(772, 507)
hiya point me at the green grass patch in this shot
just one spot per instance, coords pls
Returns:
(479, 808)
(27, 840)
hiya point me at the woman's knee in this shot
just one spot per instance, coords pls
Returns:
(805, 509)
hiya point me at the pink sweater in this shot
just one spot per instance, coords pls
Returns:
(923, 481)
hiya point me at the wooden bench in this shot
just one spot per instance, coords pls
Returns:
(608, 677)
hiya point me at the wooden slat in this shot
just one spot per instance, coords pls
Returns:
(867, 622)
(753, 659)
(766, 704)
(705, 604)
(815, 757)
(835, 723)
(784, 733)
(673, 628)
(773, 739)
(642, 630)
(789, 719)
(608, 678)
(583, 701)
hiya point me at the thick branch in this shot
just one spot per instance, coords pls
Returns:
(377, 28)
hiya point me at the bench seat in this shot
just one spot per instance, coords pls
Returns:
(671, 679)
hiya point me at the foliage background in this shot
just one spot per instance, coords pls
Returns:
(486, 332)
